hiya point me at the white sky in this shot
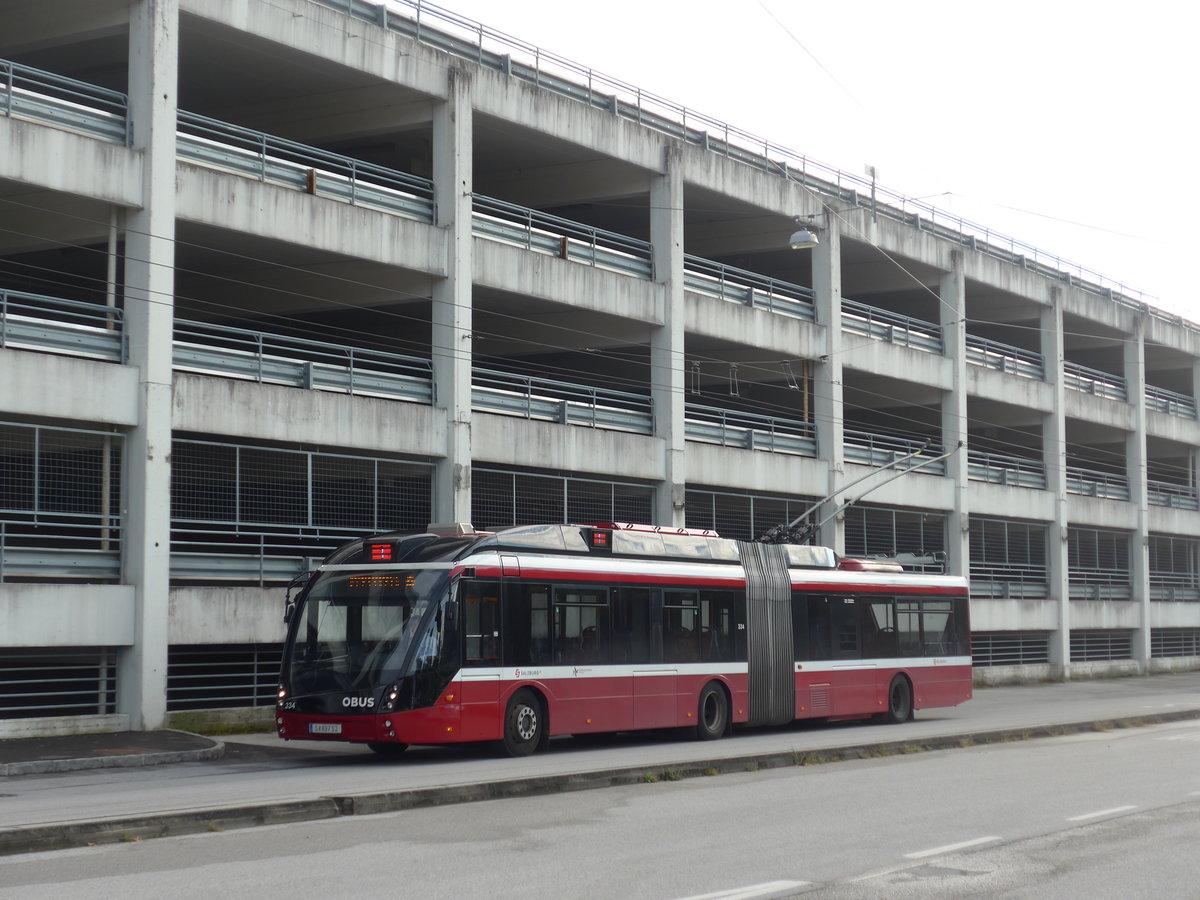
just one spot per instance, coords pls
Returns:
(1069, 125)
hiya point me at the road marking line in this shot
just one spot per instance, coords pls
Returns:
(1103, 812)
(750, 891)
(950, 848)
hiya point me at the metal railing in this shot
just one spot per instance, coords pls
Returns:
(885, 450)
(560, 401)
(1005, 358)
(1094, 381)
(461, 37)
(28, 93)
(277, 359)
(749, 431)
(234, 552)
(520, 226)
(881, 325)
(1005, 581)
(1174, 587)
(713, 279)
(1176, 496)
(243, 151)
(1095, 584)
(1172, 403)
(60, 546)
(1014, 471)
(1095, 483)
(38, 322)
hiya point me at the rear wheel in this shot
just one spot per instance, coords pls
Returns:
(387, 748)
(900, 704)
(712, 712)
(524, 724)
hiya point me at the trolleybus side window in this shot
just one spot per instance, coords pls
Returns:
(820, 628)
(845, 627)
(721, 612)
(480, 604)
(930, 628)
(681, 626)
(908, 627)
(941, 629)
(879, 627)
(632, 638)
(526, 625)
(581, 626)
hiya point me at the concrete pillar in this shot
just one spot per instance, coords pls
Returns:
(667, 363)
(1136, 469)
(1194, 455)
(952, 290)
(452, 310)
(149, 314)
(1054, 453)
(827, 380)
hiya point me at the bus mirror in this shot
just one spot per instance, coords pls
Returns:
(294, 587)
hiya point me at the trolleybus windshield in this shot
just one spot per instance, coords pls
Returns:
(358, 629)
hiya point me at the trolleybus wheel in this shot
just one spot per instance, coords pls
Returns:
(387, 748)
(900, 702)
(712, 712)
(523, 724)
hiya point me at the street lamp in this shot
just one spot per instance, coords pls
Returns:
(805, 237)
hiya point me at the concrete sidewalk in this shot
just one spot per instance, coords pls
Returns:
(74, 752)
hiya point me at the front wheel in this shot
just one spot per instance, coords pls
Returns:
(524, 724)
(900, 703)
(712, 713)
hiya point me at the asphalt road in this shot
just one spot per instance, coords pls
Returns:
(1095, 815)
(263, 780)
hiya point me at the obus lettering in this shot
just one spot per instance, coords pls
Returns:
(363, 702)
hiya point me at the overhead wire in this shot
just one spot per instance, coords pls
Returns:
(878, 416)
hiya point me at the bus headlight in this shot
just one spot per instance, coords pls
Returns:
(390, 696)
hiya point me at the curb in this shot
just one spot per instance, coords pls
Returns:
(133, 760)
(38, 838)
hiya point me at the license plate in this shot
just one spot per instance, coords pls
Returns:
(324, 727)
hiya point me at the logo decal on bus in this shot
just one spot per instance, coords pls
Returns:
(360, 702)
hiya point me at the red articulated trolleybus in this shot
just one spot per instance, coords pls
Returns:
(455, 635)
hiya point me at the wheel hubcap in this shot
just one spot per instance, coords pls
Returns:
(526, 723)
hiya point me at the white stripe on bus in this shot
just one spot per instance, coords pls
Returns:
(544, 672)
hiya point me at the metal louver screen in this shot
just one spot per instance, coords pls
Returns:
(1010, 648)
(1008, 559)
(1168, 642)
(1089, 645)
(1098, 562)
(222, 676)
(60, 681)
(1174, 568)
